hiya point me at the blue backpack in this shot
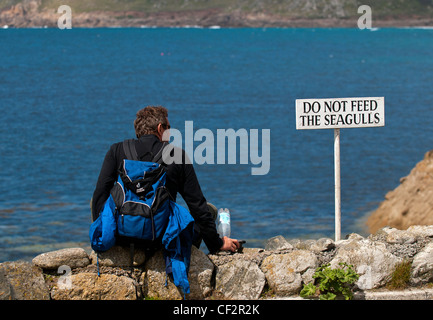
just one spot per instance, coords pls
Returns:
(140, 196)
(139, 208)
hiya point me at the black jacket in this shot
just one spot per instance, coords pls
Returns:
(181, 178)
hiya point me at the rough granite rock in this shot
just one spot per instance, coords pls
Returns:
(118, 256)
(72, 257)
(239, 277)
(277, 243)
(422, 266)
(90, 286)
(21, 280)
(157, 285)
(410, 203)
(371, 260)
(285, 272)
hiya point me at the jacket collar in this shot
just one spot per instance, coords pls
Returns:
(148, 137)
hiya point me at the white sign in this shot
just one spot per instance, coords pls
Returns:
(340, 113)
(336, 114)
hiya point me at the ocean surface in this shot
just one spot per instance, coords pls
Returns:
(67, 95)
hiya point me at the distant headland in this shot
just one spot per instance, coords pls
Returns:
(221, 13)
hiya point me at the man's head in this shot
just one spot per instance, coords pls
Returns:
(152, 120)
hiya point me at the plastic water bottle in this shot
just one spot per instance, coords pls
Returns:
(223, 219)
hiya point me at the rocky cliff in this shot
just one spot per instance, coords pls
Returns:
(411, 203)
(278, 271)
(240, 13)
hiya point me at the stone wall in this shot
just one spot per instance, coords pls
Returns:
(279, 270)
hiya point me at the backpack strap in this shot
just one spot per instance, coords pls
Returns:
(130, 150)
(158, 157)
(118, 195)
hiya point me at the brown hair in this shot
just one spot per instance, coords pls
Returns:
(148, 118)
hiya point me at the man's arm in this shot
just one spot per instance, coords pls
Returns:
(197, 205)
(106, 179)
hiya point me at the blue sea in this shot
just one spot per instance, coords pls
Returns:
(67, 95)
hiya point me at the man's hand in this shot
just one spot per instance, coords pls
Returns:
(230, 244)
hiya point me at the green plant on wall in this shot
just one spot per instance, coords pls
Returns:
(401, 275)
(330, 283)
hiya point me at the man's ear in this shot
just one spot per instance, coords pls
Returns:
(159, 131)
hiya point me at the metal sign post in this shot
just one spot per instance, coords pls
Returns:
(337, 184)
(337, 114)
